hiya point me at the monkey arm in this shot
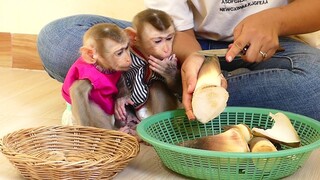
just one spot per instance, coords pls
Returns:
(123, 98)
(123, 89)
(174, 82)
(85, 111)
(81, 108)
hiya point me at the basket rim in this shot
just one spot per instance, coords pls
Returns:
(27, 158)
(205, 153)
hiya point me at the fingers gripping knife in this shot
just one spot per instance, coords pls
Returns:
(209, 98)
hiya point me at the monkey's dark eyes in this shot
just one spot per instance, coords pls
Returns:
(119, 53)
(169, 38)
(157, 41)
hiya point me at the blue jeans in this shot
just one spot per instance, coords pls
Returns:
(289, 81)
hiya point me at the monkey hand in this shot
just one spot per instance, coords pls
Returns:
(120, 112)
(166, 67)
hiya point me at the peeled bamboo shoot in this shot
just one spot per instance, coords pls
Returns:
(229, 141)
(244, 129)
(282, 131)
(261, 144)
(209, 98)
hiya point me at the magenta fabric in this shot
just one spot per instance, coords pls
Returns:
(104, 86)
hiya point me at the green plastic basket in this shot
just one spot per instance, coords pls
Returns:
(164, 130)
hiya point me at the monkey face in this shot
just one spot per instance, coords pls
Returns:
(115, 56)
(156, 43)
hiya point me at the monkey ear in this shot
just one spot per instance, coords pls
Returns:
(132, 33)
(88, 54)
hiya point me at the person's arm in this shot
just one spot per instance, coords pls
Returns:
(300, 16)
(185, 47)
(185, 44)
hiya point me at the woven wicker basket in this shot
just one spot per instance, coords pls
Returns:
(69, 152)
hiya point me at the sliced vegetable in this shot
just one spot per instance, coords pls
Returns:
(209, 98)
(244, 129)
(282, 131)
(261, 144)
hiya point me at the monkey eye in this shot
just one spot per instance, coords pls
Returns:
(157, 41)
(122, 50)
(169, 38)
(119, 53)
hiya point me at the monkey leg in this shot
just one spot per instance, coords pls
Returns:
(93, 116)
(100, 119)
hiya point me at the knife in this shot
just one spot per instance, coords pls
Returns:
(223, 52)
(214, 52)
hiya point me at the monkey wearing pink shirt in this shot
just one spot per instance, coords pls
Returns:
(91, 83)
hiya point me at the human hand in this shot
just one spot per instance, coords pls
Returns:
(189, 75)
(259, 34)
(166, 67)
(120, 112)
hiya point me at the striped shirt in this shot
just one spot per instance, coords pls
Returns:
(139, 77)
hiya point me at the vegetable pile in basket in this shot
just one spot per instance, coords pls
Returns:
(240, 138)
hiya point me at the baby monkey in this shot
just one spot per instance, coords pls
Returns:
(153, 80)
(91, 83)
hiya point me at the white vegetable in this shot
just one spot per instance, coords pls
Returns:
(282, 131)
(209, 98)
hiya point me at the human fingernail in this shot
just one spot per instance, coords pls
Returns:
(229, 58)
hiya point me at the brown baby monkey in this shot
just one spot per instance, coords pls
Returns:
(91, 83)
(153, 80)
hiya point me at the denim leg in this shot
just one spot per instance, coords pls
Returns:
(59, 41)
(289, 81)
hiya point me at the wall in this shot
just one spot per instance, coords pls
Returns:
(22, 20)
(29, 16)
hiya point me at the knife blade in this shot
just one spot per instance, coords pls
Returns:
(214, 52)
(223, 52)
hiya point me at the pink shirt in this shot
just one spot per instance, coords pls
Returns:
(104, 86)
